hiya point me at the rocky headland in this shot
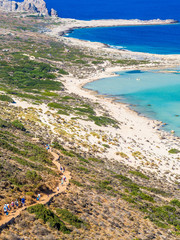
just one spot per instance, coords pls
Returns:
(29, 6)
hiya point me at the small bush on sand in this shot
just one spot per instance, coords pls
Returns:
(174, 151)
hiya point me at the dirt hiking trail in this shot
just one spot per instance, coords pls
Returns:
(5, 220)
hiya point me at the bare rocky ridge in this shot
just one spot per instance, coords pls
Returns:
(30, 6)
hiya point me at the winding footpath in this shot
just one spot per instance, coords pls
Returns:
(5, 220)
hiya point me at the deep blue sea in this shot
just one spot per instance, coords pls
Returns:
(106, 9)
(156, 94)
(152, 39)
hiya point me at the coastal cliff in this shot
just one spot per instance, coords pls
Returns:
(30, 6)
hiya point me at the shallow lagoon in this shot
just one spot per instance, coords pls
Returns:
(155, 94)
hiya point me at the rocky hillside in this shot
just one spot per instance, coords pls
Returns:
(28, 6)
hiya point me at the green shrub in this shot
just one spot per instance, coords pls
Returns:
(50, 94)
(63, 72)
(83, 159)
(85, 110)
(25, 74)
(6, 98)
(83, 169)
(5, 145)
(139, 174)
(105, 185)
(106, 145)
(68, 98)
(34, 166)
(174, 151)
(175, 202)
(61, 112)
(142, 196)
(103, 121)
(58, 105)
(67, 216)
(165, 215)
(134, 188)
(4, 124)
(57, 146)
(33, 176)
(17, 124)
(49, 216)
(157, 191)
(95, 160)
(67, 153)
(76, 183)
(127, 198)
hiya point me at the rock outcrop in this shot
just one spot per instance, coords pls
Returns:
(30, 6)
(53, 13)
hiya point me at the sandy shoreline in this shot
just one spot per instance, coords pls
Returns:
(137, 134)
(134, 129)
(68, 25)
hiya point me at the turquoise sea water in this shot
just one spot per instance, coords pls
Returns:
(155, 94)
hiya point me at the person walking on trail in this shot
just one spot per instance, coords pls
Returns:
(8, 207)
(63, 169)
(5, 209)
(38, 196)
(64, 178)
(23, 201)
(16, 203)
(12, 204)
(58, 189)
(47, 146)
(62, 181)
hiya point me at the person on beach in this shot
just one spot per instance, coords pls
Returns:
(16, 203)
(23, 201)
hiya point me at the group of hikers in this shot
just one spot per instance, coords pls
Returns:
(63, 179)
(21, 203)
(14, 204)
